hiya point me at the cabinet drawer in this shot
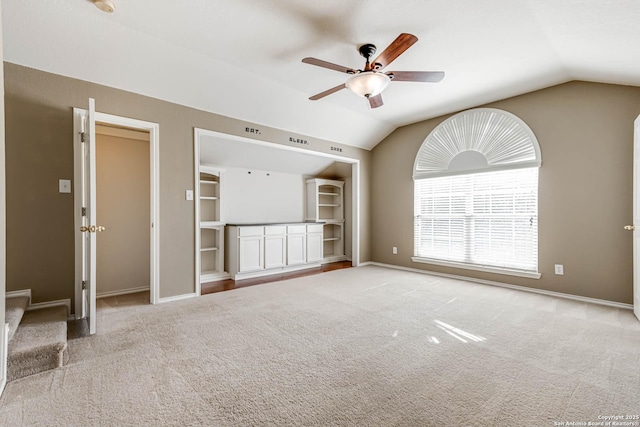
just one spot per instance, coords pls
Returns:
(296, 229)
(315, 228)
(250, 231)
(273, 230)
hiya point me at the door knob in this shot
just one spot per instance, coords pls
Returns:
(92, 228)
(630, 227)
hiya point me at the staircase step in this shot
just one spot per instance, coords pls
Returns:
(39, 343)
(14, 310)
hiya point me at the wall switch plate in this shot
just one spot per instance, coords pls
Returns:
(64, 185)
(188, 195)
(559, 269)
(394, 250)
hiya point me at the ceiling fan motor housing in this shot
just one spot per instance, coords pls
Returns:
(367, 50)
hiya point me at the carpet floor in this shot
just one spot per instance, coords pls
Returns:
(364, 346)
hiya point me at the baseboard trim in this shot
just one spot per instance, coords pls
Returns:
(122, 292)
(509, 286)
(20, 293)
(177, 298)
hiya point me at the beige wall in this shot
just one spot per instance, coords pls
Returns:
(123, 207)
(585, 131)
(40, 230)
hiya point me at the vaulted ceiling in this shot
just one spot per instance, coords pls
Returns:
(242, 58)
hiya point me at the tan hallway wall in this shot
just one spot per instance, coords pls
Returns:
(39, 129)
(585, 131)
(123, 207)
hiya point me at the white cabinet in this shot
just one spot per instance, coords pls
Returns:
(314, 243)
(275, 246)
(325, 203)
(250, 254)
(210, 233)
(259, 250)
(296, 244)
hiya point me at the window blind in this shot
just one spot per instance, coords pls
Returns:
(484, 219)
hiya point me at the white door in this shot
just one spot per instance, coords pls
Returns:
(296, 249)
(314, 247)
(89, 229)
(274, 251)
(251, 253)
(636, 218)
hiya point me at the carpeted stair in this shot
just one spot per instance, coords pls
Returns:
(37, 339)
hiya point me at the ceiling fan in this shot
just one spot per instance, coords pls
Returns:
(371, 81)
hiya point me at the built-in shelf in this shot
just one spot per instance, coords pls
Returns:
(211, 224)
(325, 199)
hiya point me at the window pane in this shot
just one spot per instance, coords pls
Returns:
(482, 219)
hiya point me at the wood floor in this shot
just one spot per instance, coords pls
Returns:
(227, 285)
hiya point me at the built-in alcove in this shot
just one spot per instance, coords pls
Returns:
(265, 183)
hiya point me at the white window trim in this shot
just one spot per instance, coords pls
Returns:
(474, 267)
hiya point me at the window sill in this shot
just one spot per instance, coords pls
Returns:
(486, 269)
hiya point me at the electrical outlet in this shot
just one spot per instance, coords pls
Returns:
(559, 269)
(394, 250)
(188, 195)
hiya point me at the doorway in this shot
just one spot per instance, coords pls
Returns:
(114, 125)
(123, 196)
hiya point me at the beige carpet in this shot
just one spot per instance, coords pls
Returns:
(356, 347)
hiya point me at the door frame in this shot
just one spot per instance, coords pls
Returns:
(355, 186)
(154, 167)
(636, 217)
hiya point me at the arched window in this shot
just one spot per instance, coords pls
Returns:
(476, 194)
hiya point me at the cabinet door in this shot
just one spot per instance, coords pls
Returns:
(250, 253)
(274, 251)
(314, 247)
(296, 249)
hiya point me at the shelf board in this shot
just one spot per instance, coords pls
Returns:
(208, 249)
(211, 224)
(208, 198)
(330, 205)
(330, 239)
(202, 181)
(328, 194)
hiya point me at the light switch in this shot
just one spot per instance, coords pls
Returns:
(188, 195)
(64, 186)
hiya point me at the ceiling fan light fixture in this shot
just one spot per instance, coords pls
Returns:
(105, 5)
(367, 83)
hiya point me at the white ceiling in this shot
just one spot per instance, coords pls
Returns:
(242, 58)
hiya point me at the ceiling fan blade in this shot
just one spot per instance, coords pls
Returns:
(327, 92)
(403, 42)
(416, 76)
(376, 101)
(329, 65)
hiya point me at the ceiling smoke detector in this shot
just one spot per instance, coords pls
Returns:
(105, 5)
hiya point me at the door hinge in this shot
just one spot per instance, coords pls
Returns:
(84, 211)
(84, 285)
(82, 136)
